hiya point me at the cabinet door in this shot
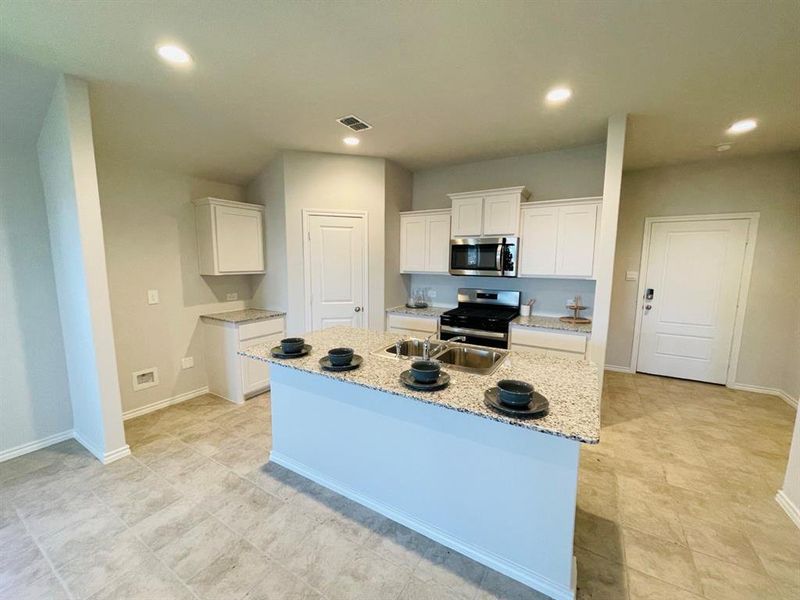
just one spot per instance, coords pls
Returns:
(467, 217)
(501, 215)
(412, 243)
(255, 373)
(538, 241)
(437, 259)
(239, 239)
(576, 240)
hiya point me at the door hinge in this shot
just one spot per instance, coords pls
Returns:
(308, 233)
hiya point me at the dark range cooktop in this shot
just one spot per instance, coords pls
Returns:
(483, 312)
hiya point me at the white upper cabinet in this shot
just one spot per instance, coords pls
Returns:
(467, 217)
(230, 237)
(488, 213)
(537, 253)
(559, 238)
(425, 241)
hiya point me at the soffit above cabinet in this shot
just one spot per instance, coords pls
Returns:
(519, 189)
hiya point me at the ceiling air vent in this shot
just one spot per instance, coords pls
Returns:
(354, 123)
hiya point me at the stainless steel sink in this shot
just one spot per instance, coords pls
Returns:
(411, 348)
(460, 357)
(472, 359)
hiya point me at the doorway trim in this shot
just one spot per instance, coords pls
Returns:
(744, 283)
(307, 213)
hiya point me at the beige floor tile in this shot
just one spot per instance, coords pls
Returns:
(196, 549)
(367, 576)
(654, 517)
(88, 573)
(81, 538)
(725, 543)
(725, 581)
(399, 544)
(451, 569)
(47, 587)
(280, 584)
(171, 522)
(21, 563)
(644, 587)
(243, 506)
(320, 557)
(147, 497)
(282, 531)
(600, 578)
(416, 589)
(600, 536)
(661, 559)
(149, 581)
(232, 574)
(500, 587)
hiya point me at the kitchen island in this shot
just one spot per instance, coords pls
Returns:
(498, 489)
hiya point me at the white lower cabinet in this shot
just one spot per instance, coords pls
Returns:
(230, 375)
(412, 326)
(566, 344)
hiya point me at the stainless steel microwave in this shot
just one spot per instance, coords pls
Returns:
(484, 257)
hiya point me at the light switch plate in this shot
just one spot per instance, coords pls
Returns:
(631, 275)
(187, 362)
(152, 297)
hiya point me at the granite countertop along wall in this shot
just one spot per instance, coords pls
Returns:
(571, 386)
(550, 323)
(245, 315)
(431, 311)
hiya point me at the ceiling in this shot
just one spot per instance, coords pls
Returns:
(441, 83)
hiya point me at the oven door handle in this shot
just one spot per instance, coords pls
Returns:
(474, 332)
(498, 259)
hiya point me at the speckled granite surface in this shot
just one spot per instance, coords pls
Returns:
(245, 315)
(571, 386)
(431, 311)
(550, 323)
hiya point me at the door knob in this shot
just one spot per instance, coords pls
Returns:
(648, 306)
(357, 309)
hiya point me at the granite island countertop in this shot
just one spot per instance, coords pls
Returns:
(430, 311)
(245, 315)
(571, 386)
(550, 323)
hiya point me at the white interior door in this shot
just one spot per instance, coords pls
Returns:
(694, 269)
(336, 272)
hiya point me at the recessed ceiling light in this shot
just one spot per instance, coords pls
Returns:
(351, 141)
(558, 95)
(174, 54)
(723, 147)
(743, 126)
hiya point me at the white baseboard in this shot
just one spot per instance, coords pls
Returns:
(159, 404)
(513, 570)
(765, 390)
(788, 506)
(618, 369)
(35, 445)
(110, 457)
(103, 457)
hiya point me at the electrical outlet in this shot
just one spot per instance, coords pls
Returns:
(152, 297)
(187, 362)
(232, 296)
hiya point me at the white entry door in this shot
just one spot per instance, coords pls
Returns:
(336, 274)
(693, 269)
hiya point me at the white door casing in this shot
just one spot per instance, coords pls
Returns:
(695, 268)
(336, 270)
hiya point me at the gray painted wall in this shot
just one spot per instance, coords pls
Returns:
(34, 391)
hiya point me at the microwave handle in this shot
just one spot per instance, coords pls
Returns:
(498, 259)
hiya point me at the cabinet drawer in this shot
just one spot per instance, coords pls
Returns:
(564, 341)
(429, 324)
(260, 328)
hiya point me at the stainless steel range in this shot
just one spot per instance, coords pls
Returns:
(482, 317)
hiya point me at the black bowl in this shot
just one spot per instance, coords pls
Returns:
(340, 357)
(292, 345)
(425, 371)
(514, 393)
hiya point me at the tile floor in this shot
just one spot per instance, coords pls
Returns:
(675, 503)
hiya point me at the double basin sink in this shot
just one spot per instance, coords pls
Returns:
(461, 357)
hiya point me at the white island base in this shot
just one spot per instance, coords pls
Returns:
(501, 494)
